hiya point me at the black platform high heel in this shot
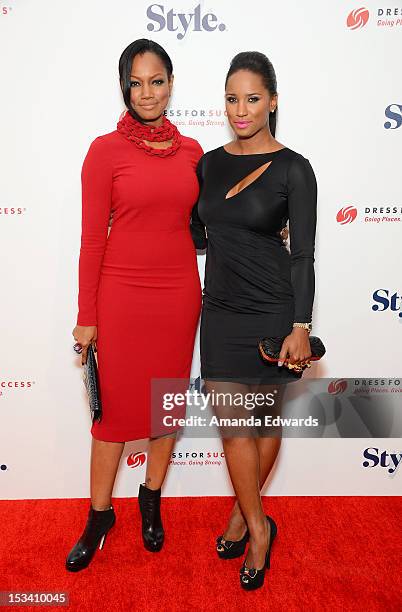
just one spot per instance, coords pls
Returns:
(230, 549)
(153, 534)
(98, 525)
(251, 578)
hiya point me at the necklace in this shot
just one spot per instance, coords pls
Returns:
(138, 132)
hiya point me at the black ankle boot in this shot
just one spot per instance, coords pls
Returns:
(152, 529)
(98, 524)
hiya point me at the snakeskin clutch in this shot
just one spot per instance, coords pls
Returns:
(91, 382)
(270, 348)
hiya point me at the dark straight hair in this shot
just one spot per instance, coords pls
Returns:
(257, 62)
(140, 46)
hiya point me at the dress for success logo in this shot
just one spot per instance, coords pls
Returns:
(11, 210)
(347, 214)
(372, 214)
(336, 387)
(7, 385)
(385, 17)
(389, 17)
(357, 18)
(16, 384)
(136, 460)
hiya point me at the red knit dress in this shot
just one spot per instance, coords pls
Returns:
(139, 285)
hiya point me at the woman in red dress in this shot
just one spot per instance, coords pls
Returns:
(139, 288)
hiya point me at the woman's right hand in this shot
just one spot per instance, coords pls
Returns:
(85, 335)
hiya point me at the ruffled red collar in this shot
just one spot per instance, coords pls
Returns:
(138, 132)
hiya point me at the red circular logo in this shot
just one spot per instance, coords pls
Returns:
(337, 386)
(136, 460)
(347, 214)
(357, 18)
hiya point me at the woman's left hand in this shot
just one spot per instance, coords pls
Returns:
(295, 347)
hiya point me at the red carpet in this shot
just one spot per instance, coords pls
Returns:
(331, 553)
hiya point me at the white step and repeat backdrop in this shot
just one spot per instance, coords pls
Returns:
(340, 105)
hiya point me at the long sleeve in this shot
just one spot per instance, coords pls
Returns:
(197, 228)
(96, 180)
(302, 205)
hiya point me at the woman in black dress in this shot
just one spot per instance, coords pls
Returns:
(254, 288)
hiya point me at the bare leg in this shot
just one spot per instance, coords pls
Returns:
(105, 458)
(159, 453)
(242, 460)
(268, 449)
(243, 464)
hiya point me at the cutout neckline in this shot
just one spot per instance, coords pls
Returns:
(259, 172)
(251, 154)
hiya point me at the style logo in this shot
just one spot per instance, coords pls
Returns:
(336, 387)
(346, 215)
(384, 301)
(374, 457)
(136, 460)
(393, 112)
(182, 22)
(357, 18)
(3, 467)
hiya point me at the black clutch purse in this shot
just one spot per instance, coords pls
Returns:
(91, 382)
(270, 348)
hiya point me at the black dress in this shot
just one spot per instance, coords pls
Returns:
(253, 286)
